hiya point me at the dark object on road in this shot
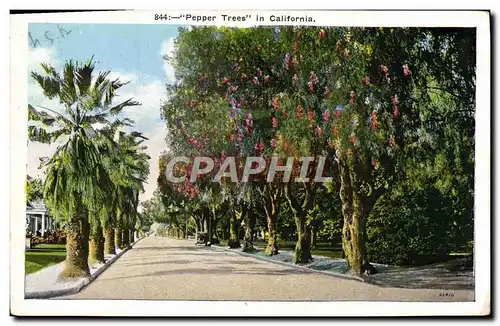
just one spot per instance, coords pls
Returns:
(202, 239)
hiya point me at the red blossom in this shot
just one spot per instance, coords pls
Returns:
(310, 85)
(395, 100)
(285, 145)
(310, 115)
(335, 131)
(313, 77)
(287, 61)
(294, 47)
(373, 120)
(318, 131)
(326, 115)
(273, 143)
(258, 148)
(326, 92)
(274, 122)
(405, 70)
(366, 81)
(275, 102)
(321, 34)
(299, 112)
(396, 112)
(337, 112)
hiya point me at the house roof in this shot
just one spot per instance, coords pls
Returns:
(36, 206)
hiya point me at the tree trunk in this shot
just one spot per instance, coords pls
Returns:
(77, 248)
(249, 230)
(109, 241)
(234, 230)
(125, 237)
(302, 252)
(118, 237)
(355, 209)
(272, 242)
(272, 199)
(209, 219)
(96, 244)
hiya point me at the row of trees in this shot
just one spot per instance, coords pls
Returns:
(93, 179)
(390, 110)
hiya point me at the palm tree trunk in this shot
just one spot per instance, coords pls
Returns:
(125, 237)
(118, 237)
(77, 247)
(132, 237)
(96, 244)
(109, 241)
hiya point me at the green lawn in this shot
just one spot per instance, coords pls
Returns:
(322, 249)
(43, 255)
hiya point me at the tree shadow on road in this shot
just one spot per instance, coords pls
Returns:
(212, 271)
(184, 262)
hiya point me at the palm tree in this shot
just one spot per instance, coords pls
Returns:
(129, 168)
(76, 180)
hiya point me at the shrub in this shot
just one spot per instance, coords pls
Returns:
(413, 227)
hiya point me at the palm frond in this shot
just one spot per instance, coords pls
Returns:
(50, 86)
(128, 103)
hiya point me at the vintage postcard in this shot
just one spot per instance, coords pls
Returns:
(250, 163)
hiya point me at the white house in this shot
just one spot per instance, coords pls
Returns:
(37, 218)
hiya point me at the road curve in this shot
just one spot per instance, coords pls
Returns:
(159, 268)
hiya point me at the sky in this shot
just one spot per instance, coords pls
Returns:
(131, 52)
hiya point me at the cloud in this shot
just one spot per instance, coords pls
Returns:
(41, 55)
(168, 49)
(156, 145)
